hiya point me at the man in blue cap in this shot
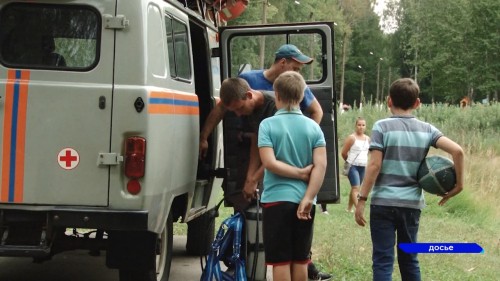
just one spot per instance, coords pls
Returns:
(287, 57)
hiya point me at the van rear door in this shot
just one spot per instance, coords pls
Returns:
(56, 69)
(253, 47)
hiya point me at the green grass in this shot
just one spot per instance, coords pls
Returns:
(342, 247)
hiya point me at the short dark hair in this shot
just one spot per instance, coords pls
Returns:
(232, 89)
(404, 93)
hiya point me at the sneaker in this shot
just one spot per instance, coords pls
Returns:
(325, 213)
(313, 274)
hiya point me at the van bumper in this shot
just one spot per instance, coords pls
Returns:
(93, 218)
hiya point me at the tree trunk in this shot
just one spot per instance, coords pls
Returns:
(342, 71)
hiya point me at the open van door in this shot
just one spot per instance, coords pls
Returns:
(245, 48)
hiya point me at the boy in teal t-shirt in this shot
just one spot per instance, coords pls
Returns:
(293, 153)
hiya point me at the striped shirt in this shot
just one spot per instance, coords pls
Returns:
(404, 142)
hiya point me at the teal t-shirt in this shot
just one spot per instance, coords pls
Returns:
(293, 138)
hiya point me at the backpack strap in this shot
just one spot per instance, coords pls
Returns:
(230, 229)
(240, 271)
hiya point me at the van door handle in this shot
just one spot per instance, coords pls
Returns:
(102, 102)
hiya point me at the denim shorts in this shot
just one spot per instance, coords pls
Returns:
(356, 175)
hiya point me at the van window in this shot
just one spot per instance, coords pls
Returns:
(178, 49)
(49, 36)
(253, 51)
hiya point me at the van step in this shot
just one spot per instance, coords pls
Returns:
(24, 242)
(24, 251)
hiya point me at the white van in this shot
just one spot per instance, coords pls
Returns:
(101, 105)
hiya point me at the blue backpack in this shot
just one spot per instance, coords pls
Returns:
(229, 234)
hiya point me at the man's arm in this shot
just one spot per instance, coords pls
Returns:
(315, 182)
(211, 122)
(315, 111)
(457, 154)
(372, 171)
(255, 172)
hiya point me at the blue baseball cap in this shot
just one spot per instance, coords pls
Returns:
(289, 51)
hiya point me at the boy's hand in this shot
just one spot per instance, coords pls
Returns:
(456, 190)
(304, 209)
(305, 173)
(359, 215)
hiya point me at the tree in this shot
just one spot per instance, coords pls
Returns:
(450, 47)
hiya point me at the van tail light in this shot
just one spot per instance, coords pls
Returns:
(135, 157)
(133, 187)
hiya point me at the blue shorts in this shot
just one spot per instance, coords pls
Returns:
(356, 175)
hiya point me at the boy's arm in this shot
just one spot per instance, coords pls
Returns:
(315, 182)
(372, 171)
(280, 168)
(215, 116)
(457, 154)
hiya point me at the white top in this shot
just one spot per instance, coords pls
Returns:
(358, 153)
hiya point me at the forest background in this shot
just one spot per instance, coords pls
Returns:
(450, 47)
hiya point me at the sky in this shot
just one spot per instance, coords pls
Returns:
(379, 9)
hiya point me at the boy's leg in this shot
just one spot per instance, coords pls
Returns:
(324, 209)
(303, 235)
(277, 228)
(282, 273)
(383, 234)
(299, 272)
(407, 233)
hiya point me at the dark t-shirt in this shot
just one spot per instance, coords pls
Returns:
(268, 109)
(237, 147)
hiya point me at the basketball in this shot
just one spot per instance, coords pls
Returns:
(436, 175)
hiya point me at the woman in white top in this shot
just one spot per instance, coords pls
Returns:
(355, 152)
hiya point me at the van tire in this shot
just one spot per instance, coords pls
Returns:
(163, 253)
(200, 235)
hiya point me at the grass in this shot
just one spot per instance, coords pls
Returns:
(343, 248)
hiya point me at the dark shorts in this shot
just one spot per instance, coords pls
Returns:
(286, 238)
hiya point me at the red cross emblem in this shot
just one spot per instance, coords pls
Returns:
(68, 158)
